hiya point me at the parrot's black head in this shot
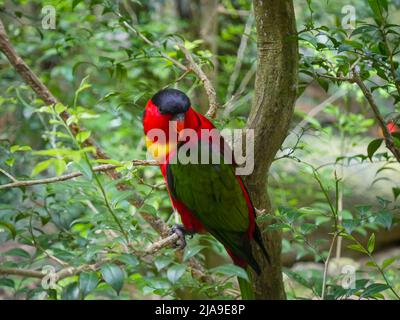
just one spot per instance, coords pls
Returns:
(171, 101)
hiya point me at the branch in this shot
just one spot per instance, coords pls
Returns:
(240, 56)
(11, 177)
(69, 176)
(21, 272)
(211, 93)
(381, 122)
(69, 271)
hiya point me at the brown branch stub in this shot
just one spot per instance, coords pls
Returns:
(21, 272)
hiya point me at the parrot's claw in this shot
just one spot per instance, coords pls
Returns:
(180, 231)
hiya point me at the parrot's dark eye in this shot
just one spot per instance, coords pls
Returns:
(171, 101)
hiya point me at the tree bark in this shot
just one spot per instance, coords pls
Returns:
(270, 117)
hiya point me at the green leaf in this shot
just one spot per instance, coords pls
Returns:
(385, 218)
(75, 3)
(149, 209)
(4, 282)
(373, 146)
(60, 166)
(85, 169)
(277, 226)
(83, 86)
(45, 109)
(129, 259)
(373, 289)
(18, 252)
(72, 119)
(70, 292)
(396, 193)
(59, 107)
(371, 264)
(175, 272)
(231, 270)
(162, 261)
(10, 161)
(323, 83)
(371, 243)
(357, 247)
(114, 276)
(191, 251)
(17, 148)
(82, 136)
(41, 166)
(9, 227)
(349, 225)
(87, 282)
(299, 278)
(377, 7)
(387, 262)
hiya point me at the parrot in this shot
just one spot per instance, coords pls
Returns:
(209, 197)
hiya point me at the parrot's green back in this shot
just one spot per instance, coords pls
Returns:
(214, 196)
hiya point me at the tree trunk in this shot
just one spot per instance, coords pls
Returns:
(270, 116)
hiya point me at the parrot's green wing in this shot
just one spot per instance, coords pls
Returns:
(214, 196)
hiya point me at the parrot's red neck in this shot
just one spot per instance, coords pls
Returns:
(154, 119)
(162, 130)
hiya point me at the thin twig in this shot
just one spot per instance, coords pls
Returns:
(8, 175)
(239, 56)
(378, 116)
(193, 66)
(209, 88)
(328, 259)
(149, 42)
(69, 176)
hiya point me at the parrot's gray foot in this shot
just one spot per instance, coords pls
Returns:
(180, 231)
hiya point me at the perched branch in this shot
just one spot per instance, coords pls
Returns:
(211, 93)
(69, 271)
(156, 246)
(69, 176)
